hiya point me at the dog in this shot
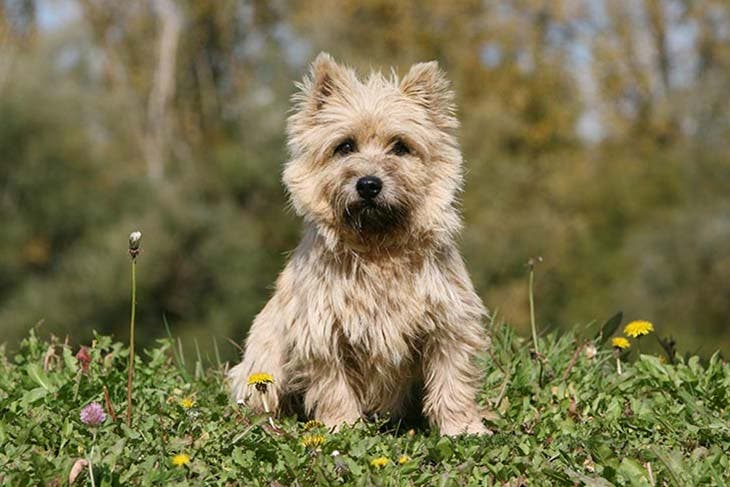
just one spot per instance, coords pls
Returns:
(375, 304)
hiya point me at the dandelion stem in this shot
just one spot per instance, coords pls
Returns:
(651, 474)
(266, 409)
(618, 365)
(131, 341)
(532, 305)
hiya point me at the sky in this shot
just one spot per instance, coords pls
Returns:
(55, 13)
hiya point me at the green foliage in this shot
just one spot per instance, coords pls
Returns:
(562, 420)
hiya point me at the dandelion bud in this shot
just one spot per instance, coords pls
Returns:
(84, 358)
(134, 241)
(312, 441)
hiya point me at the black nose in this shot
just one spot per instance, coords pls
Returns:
(369, 187)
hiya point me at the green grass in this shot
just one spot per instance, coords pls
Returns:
(552, 426)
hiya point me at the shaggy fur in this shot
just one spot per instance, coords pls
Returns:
(375, 301)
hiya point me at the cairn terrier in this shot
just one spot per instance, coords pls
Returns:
(375, 309)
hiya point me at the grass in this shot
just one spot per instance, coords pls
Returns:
(560, 419)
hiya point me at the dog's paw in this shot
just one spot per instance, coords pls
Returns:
(238, 383)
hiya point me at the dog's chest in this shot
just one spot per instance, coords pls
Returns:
(375, 313)
(380, 311)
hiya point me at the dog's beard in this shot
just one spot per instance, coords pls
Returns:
(369, 218)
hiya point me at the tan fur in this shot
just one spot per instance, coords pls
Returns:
(362, 312)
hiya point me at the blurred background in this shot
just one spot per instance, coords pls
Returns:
(595, 134)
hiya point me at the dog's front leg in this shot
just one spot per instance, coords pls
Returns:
(330, 399)
(264, 353)
(451, 381)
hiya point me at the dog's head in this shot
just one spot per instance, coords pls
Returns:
(374, 162)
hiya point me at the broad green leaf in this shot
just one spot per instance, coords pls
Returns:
(609, 327)
(633, 472)
(33, 395)
(36, 373)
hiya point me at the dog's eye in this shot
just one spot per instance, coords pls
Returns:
(346, 147)
(400, 149)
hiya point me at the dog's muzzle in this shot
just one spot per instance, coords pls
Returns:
(367, 216)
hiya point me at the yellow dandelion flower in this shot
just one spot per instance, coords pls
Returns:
(620, 343)
(312, 424)
(260, 380)
(403, 459)
(638, 328)
(180, 459)
(379, 462)
(187, 402)
(312, 441)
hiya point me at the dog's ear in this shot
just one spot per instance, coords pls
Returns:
(325, 79)
(427, 85)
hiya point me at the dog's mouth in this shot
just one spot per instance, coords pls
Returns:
(373, 218)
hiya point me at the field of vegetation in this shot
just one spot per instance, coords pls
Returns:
(563, 417)
(595, 134)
